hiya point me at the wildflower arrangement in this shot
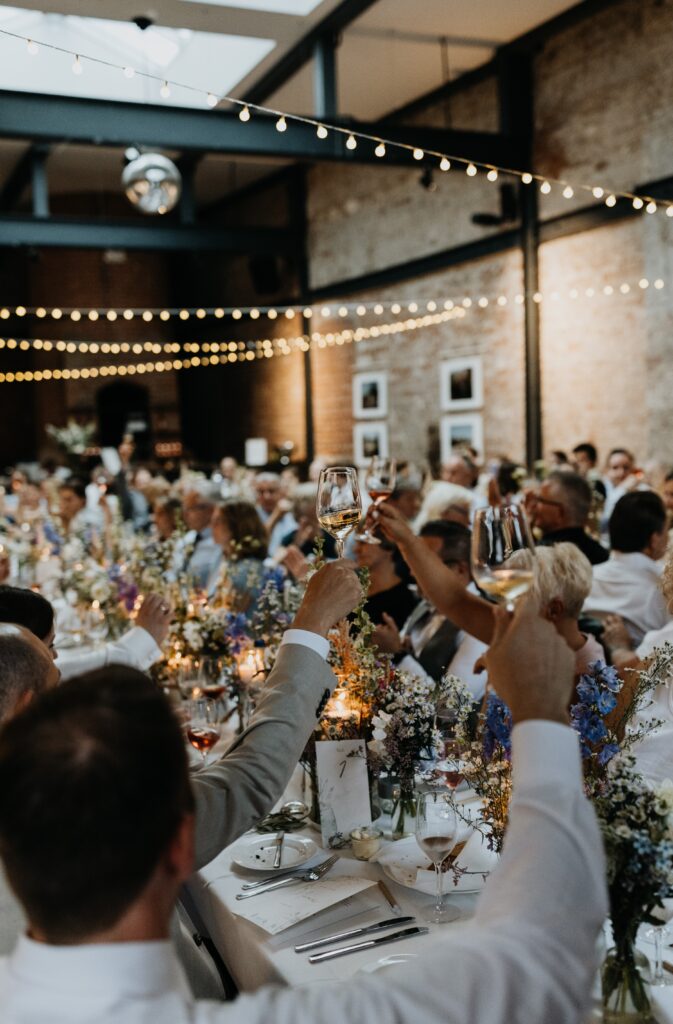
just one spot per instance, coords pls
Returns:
(637, 826)
(75, 437)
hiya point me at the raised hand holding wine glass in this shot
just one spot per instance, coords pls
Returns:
(502, 553)
(339, 505)
(380, 482)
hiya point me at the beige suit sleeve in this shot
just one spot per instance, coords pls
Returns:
(235, 792)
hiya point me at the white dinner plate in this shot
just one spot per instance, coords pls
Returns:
(395, 960)
(403, 862)
(257, 853)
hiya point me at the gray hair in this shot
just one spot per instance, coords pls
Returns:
(561, 572)
(24, 666)
(575, 494)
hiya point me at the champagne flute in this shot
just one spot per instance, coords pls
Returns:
(203, 730)
(380, 482)
(338, 505)
(502, 553)
(438, 829)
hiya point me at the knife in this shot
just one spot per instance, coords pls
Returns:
(279, 849)
(272, 878)
(394, 905)
(313, 875)
(406, 933)
(389, 923)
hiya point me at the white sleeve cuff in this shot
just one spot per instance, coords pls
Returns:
(304, 638)
(138, 646)
(545, 754)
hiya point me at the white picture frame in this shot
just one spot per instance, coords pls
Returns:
(369, 439)
(370, 395)
(461, 384)
(461, 429)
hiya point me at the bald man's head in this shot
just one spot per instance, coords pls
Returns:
(26, 668)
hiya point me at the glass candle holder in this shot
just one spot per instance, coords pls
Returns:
(365, 841)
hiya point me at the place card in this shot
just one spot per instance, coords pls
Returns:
(343, 788)
(281, 908)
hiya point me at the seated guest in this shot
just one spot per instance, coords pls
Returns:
(620, 478)
(406, 497)
(273, 509)
(561, 605)
(667, 496)
(585, 463)
(559, 509)
(198, 555)
(388, 591)
(447, 501)
(628, 584)
(140, 647)
(426, 634)
(459, 469)
(239, 789)
(76, 518)
(165, 512)
(308, 530)
(99, 897)
(238, 530)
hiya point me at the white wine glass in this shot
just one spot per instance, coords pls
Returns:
(380, 483)
(503, 553)
(438, 830)
(339, 505)
(202, 727)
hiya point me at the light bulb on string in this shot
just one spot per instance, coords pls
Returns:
(598, 192)
(351, 142)
(281, 124)
(527, 178)
(545, 188)
(492, 174)
(669, 211)
(611, 200)
(165, 90)
(211, 99)
(568, 192)
(33, 48)
(244, 114)
(77, 65)
(418, 154)
(380, 150)
(471, 170)
(637, 203)
(651, 207)
(321, 131)
(445, 164)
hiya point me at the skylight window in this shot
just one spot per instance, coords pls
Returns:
(206, 60)
(299, 7)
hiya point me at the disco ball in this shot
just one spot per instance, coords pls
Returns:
(152, 182)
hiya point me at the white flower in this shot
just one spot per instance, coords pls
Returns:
(100, 591)
(192, 635)
(380, 723)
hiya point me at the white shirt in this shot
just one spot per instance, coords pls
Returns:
(628, 585)
(203, 560)
(462, 664)
(654, 753)
(527, 957)
(136, 648)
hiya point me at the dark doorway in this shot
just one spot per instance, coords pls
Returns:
(124, 409)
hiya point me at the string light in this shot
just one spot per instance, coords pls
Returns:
(492, 171)
(637, 203)
(545, 188)
(211, 99)
(568, 192)
(321, 131)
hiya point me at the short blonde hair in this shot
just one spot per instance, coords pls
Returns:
(562, 572)
(441, 497)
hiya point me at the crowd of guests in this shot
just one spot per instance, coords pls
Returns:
(98, 765)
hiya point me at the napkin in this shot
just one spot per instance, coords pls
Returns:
(662, 1004)
(281, 908)
(405, 862)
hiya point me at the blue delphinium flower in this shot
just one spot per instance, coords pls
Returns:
(497, 726)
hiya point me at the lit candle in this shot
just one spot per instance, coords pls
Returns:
(250, 665)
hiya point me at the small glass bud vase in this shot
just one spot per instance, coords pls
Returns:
(624, 988)
(403, 815)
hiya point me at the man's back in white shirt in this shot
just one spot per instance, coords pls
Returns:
(628, 585)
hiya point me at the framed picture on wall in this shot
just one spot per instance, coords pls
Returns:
(461, 430)
(370, 395)
(369, 439)
(461, 384)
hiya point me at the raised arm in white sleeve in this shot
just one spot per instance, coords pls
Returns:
(135, 648)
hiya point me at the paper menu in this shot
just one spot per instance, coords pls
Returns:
(281, 908)
(343, 787)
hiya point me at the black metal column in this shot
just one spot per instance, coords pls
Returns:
(325, 102)
(297, 195)
(533, 391)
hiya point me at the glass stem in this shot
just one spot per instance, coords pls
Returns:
(340, 547)
(440, 887)
(658, 956)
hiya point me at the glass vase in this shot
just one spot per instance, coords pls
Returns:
(403, 814)
(624, 988)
